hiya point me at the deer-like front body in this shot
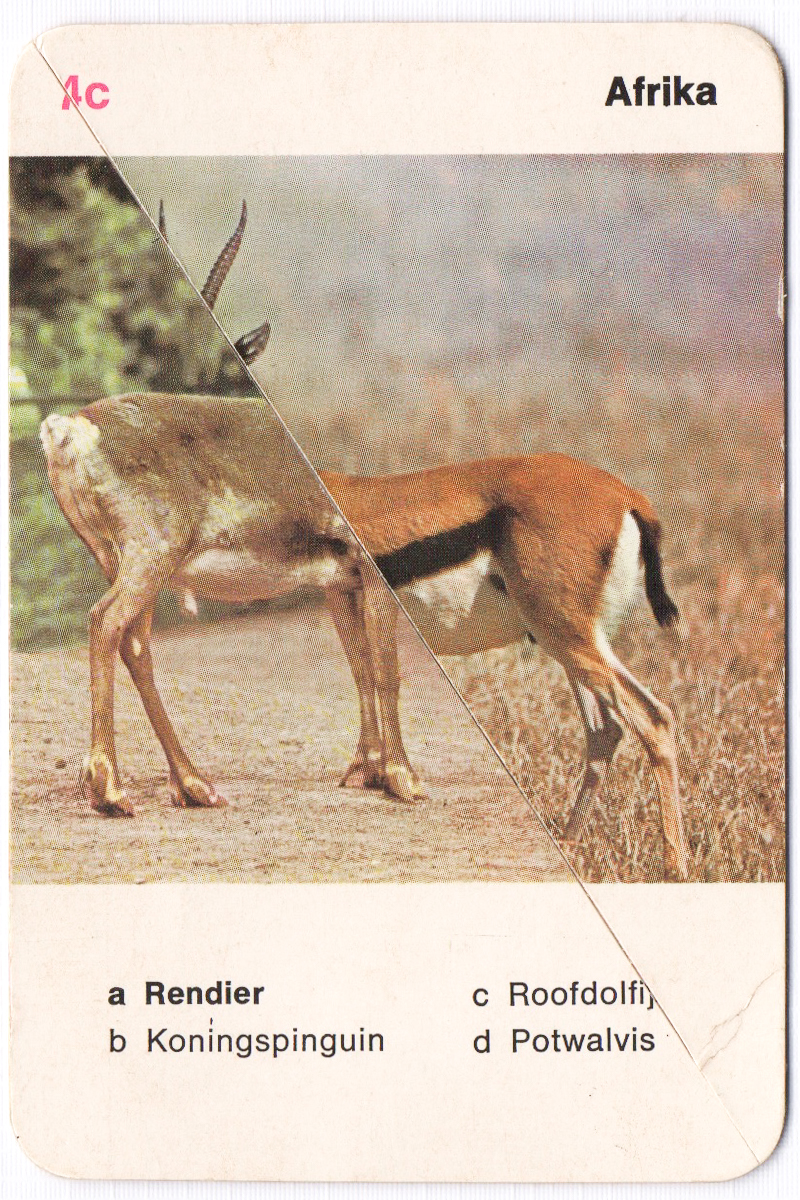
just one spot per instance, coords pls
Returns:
(213, 488)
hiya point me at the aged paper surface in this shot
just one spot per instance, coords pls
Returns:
(470, 242)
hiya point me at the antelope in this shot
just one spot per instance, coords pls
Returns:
(208, 496)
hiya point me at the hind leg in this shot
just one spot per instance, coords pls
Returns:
(137, 583)
(655, 726)
(603, 735)
(187, 786)
(552, 601)
(599, 670)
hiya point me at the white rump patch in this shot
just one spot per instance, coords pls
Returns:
(623, 579)
(77, 434)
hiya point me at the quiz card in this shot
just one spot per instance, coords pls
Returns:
(398, 615)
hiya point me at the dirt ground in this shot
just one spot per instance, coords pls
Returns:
(267, 708)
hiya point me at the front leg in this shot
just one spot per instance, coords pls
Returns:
(380, 620)
(347, 610)
(368, 764)
(188, 788)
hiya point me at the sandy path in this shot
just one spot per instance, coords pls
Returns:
(267, 708)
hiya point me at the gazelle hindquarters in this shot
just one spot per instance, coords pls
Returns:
(566, 544)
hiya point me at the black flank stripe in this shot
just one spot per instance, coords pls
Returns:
(436, 553)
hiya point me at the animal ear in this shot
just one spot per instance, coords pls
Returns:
(250, 345)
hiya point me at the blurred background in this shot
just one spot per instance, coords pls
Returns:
(625, 310)
(466, 305)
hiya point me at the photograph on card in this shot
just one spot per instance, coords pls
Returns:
(544, 399)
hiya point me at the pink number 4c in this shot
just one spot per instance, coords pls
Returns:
(96, 95)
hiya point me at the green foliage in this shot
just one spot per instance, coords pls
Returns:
(97, 306)
(54, 579)
(24, 421)
(97, 303)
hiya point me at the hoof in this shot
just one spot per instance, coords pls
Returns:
(370, 769)
(192, 792)
(402, 784)
(119, 806)
(676, 866)
(100, 790)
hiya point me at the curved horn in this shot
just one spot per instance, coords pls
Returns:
(217, 274)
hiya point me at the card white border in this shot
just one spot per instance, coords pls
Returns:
(780, 23)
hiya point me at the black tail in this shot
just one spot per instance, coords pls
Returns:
(663, 608)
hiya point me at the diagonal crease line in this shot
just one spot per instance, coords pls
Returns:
(481, 731)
